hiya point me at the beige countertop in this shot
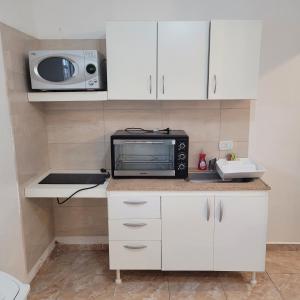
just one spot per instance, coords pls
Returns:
(155, 185)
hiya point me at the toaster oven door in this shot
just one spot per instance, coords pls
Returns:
(143, 158)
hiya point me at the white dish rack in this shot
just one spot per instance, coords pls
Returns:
(241, 168)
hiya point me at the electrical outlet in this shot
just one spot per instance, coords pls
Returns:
(225, 145)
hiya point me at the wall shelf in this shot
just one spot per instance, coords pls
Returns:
(67, 96)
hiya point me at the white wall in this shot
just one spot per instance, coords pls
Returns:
(12, 259)
(18, 14)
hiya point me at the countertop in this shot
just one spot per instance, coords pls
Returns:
(156, 185)
(35, 190)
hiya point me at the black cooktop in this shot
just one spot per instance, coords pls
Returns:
(74, 178)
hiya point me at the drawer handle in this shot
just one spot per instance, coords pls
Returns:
(134, 224)
(134, 247)
(135, 202)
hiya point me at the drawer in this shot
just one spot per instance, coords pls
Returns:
(134, 229)
(134, 207)
(129, 255)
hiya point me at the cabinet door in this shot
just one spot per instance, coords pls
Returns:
(131, 60)
(187, 232)
(234, 59)
(240, 233)
(182, 60)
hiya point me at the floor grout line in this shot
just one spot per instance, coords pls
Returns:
(274, 284)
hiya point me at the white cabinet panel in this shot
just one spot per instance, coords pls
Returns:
(131, 60)
(136, 206)
(182, 60)
(135, 229)
(187, 232)
(135, 255)
(240, 233)
(234, 59)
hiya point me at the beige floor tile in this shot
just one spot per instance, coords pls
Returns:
(237, 287)
(283, 262)
(288, 285)
(142, 287)
(195, 285)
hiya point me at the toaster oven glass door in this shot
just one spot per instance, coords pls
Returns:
(144, 157)
(56, 69)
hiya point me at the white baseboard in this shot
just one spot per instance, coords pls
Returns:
(283, 243)
(40, 261)
(82, 240)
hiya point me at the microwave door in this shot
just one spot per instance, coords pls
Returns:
(59, 72)
(144, 157)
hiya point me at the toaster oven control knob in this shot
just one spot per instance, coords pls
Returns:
(181, 146)
(181, 156)
(91, 69)
(181, 167)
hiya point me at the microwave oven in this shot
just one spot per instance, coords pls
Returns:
(149, 154)
(67, 70)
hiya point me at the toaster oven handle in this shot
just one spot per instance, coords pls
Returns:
(121, 142)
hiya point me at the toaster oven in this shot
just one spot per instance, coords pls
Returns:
(149, 154)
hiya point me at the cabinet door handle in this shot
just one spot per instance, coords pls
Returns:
(135, 202)
(134, 224)
(215, 80)
(207, 210)
(163, 84)
(134, 247)
(150, 84)
(221, 212)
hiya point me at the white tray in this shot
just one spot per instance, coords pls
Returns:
(241, 168)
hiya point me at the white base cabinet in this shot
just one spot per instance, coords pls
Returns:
(187, 232)
(196, 231)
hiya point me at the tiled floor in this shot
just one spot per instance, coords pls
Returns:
(82, 274)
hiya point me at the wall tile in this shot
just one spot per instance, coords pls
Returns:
(203, 104)
(121, 119)
(235, 124)
(131, 105)
(210, 148)
(77, 156)
(75, 134)
(200, 125)
(77, 105)
(236, 104)
(240, 148)
(84, 220)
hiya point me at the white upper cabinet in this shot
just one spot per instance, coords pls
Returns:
(131, 60)
(234, 59)
(182, 60)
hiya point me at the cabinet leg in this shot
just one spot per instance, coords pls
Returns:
(118, 277)
(253, 278)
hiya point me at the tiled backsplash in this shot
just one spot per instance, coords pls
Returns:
(79, 133)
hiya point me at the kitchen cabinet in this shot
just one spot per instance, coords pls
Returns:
(176, 231)
(138, 51)
(131, 60)
(234, 59)
(182, 60)
(240, 233)
(187, 232)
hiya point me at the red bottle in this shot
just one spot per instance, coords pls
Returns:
(202, 162)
